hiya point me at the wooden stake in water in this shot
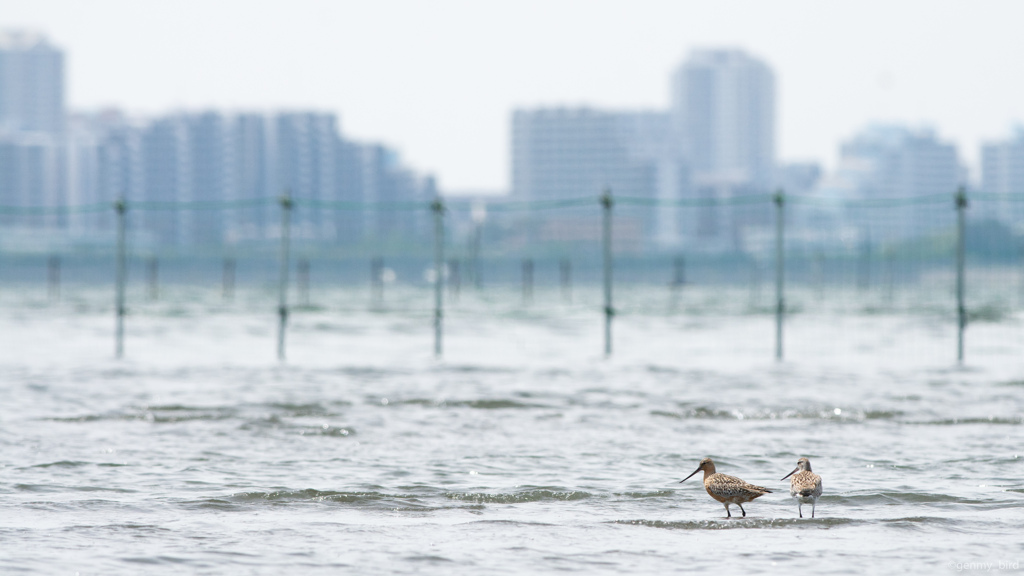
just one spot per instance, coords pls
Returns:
(282, 305)
(780, 270)
(228, 279)
(961, 310)
(1021, 256)
(864, 271)
(54, 278)
(122, 275)
(152, 272)
(609, 310)
(890, 277)
(377, 280)
(755, 284)
(678, 273)
(818, 270)
(565, 271)
(303, 278)
(454, 279)
(678, 280)
(479, 216)
(437, 206)
(527, 281)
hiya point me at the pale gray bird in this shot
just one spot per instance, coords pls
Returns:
(805, 485)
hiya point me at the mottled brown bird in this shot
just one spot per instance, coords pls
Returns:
(805, 486)
(727, 489)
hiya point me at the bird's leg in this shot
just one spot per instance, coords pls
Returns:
(727, 513)
(742, 510)
(800, 508)
(813, 506)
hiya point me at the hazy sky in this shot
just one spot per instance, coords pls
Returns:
(437, 79)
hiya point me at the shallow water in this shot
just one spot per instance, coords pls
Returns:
(523, 451)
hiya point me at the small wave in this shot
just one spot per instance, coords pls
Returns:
(74, 464)
(882, 414)
(918, 522)
(311, 494)
(532, 495)
(512, 522)
(707, 413)
(488, 404)
(398, 502)
(370, 372)
(494, 404)
(417, 402)
(971, 420)
(213, 504)
(157, 560)
(156, 414)
(742, 523)
(303, 410)
(62, 488)
(470, 369)
(429, 558)
(654, 494)
(655, 369)
(128, 527)
(327, 430)
(699, 412)
(902, 498)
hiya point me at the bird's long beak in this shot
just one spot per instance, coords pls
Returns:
(791, 473)
(690, 476)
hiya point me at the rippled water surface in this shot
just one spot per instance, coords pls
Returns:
(523, 451)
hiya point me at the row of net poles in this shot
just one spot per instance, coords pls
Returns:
(120, 207)
(437, 207)
(780, 269)
(961, 311)
(606, 207)
(282, 304)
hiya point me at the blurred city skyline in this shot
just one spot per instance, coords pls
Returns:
(440, 81)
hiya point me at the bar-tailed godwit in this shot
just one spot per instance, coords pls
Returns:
(805, 485)
(727, 489)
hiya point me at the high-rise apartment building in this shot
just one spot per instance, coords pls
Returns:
(31, 84)
(716, 141)
(560, 153)
(201, 178)
(575, 153)
(31, 175)
(306, 167)
(723, 108)
(1002, 173)
(902, 162)
(899, 163)
(32, 153)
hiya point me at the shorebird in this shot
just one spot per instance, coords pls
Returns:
(805, 485)
(727, 489)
